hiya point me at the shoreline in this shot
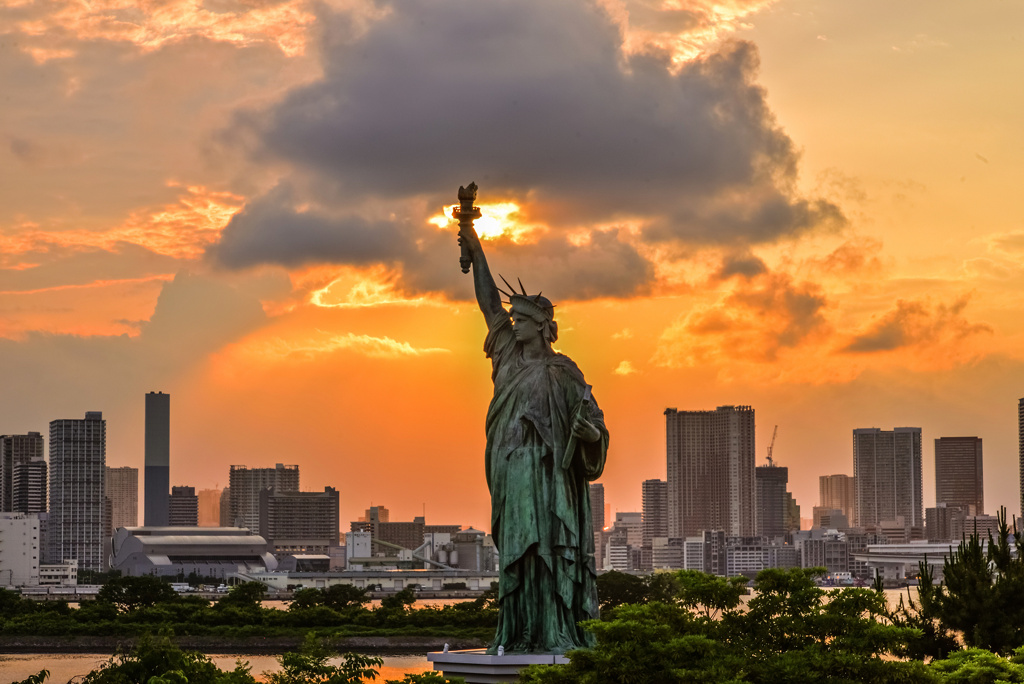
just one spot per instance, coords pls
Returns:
(375, 645)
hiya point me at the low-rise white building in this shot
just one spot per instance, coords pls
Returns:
(19, 549)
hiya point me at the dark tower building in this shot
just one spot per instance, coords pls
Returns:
(158, 459)
(183, 507)
(78, 526)
(959, 476)
(772, 501)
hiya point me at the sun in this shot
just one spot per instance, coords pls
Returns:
(495, 220)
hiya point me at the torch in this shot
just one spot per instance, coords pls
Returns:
(465, 215)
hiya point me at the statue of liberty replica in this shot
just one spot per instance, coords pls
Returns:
(546, 439)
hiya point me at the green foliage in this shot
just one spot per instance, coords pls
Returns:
(977, 666)
(310, 666)
(304, 599)
(936, 640)
(980, 595)
(247, 596)
(619, 588)
(343, 596)
(399, 600)
(37, 678)
(131, 593)
(791, 631)
(159, 661)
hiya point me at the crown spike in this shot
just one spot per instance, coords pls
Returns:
(521, 286)
(507, 284)
(536, 297)
(504, 293)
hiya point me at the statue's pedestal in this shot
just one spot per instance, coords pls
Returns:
(476, 667)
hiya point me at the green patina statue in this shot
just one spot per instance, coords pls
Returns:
(546, 439)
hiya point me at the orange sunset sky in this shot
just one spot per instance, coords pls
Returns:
(812, 207)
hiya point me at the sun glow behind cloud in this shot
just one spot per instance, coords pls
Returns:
(496, 220)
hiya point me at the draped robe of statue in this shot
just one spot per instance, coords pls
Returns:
(540, 513)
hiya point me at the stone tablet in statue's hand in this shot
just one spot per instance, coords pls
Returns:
(584, 429)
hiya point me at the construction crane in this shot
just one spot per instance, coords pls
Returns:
(771, 445)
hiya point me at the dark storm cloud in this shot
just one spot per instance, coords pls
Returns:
(269, 230)
(916, 323)
(533, 99)
(746, 265)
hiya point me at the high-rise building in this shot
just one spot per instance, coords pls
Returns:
(959, 478)
(838, 492)
(887, 465)
(247, 483)
(122, 488)
(655, 500)
(183, 507)
(209, 507)
(711, 471)
(1020, 450)
(158, 458)
(76, 528)
(22, 473)
(300, 522)
(597, 519)
(225, 508)
(772, 502)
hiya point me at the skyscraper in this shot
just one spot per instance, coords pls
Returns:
(959, 477)
(209, 507)
(597, 519)
(22, 473)
(183, 507)
(838, 492)
(1020, 450)
(887, 465)
(122, 488)
(772, 500)
(158, 458)
(300, 522)
(655, 499)
(77, 526)
(247, 483)
(711, 471)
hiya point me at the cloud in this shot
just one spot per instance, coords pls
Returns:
(752, 323)
(537, 101)
(746, 265)
(916, 323)
(624, 368)
(368, 345)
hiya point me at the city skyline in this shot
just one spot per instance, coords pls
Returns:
(843, 249)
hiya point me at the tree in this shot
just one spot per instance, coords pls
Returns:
(977, 666)
(399, 600)
(159, 661)
(619, 588)
(306, 598)
(979, 596)
(246, 596)
(131, 593)
(342, 596)
(310, 666)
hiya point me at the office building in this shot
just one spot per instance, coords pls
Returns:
(959, 477)
(773, 517)
(225, 507)
(209, 507)
(887, 465)
(829, 518)
(19, 549)
(838, 492)
(158, 458)
(122, 489)
(183, 507)
(22, 474)
(300, 522)
(76, 527)
(655, 514)
(711, 471)
(597, 519)
(1020, 450)
(247, 483)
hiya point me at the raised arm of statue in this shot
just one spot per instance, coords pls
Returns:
(487, 295)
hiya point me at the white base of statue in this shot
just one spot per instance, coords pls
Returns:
(476, 667)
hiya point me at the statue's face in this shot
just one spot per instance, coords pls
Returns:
(525, 328)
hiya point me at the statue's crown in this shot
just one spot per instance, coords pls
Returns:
(531, 305)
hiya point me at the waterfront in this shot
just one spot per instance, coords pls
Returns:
(65, 667)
